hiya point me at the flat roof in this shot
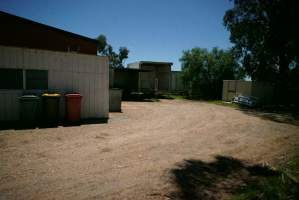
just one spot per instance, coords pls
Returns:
(48, 27)
(130, 70)
(152, 62)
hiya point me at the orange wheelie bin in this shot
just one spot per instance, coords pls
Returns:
(73, 107)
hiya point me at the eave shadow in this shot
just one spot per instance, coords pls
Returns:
(18, 125)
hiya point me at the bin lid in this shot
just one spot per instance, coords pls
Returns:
(51, 95)
(31, 97)
(73, 95)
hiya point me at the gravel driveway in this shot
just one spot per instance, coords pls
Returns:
(131, 156)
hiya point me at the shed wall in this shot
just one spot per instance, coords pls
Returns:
(126, 80)
(147, 79)
(111, 77)
(163, 74)
(86, 74)
(134, 65)
(157, 76)
(176, 81)
(231, 88)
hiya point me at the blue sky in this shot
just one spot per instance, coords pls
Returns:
(156, 30)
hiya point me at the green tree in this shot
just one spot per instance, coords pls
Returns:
(102, 44)
(204, 71)
(266, 38)
(122, 55)
(115, 60)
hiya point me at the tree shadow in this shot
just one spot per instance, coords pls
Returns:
(146, 97)
(140, 97)
(288, 117)
(195, 179)
(142, 100)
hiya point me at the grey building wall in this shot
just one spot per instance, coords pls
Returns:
(127, 80)
(156, 78)
(176, 81)
(134, 65)
(111, 77)
(263, 91)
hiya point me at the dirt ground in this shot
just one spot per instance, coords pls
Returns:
(132, 156)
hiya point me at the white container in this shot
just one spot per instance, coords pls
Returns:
(115, 96)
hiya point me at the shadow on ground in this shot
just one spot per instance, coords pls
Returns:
(288, 117)
(140, 97)
(18, 125)
(144, 97)
(278, 113)
(219, 179)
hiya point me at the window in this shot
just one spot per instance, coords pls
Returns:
(11, 79)
(36, 79)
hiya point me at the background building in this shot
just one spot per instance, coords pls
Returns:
(155, 77)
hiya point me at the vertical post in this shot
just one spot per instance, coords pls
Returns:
(24, 79)
(156, 85)
(139, 77)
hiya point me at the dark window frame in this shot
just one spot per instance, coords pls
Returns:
(11, 79)
(36, 79)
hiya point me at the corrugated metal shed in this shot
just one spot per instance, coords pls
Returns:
(87, 74)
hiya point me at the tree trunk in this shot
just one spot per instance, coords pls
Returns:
(281, 94)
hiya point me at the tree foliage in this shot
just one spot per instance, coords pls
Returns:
(102, 43)
(266, 37)
(204, 71)
(115, 60)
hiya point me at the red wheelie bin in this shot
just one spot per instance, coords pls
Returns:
(73, 107)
